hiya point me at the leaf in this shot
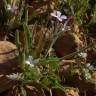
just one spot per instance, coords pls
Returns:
(32, 74)
(45, 83)
(52, 62)
(27, 39)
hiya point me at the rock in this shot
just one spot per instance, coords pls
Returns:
(7, 51)
(9, 63)
(5, 83)
(69, 92)
(66, 44)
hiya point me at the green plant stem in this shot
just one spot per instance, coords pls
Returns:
(43, 92)
(57, 34)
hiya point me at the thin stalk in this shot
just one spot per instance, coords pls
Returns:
(56, 35)
(43, 92)
(50, 92)
(23, 91)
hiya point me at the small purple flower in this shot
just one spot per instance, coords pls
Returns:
(8, 7)
(12, 8)
(31, 61)
(57, 14)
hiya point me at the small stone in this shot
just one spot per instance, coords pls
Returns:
(72, 93)
(7, 51)
(9, 63)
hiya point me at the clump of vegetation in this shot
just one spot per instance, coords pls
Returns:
(35, 34)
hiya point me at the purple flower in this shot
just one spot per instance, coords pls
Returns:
(12, 8)
(57, 14)
(31, 61)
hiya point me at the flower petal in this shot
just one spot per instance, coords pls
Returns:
(60, 19)
(27, 62)
(68, 28)
(30, 59)
(58, 13)
(15, 7)
(53, 14)
(8, 7)
(63, 17)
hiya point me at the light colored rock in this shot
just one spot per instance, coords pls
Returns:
(7, 51)
(9, 63)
